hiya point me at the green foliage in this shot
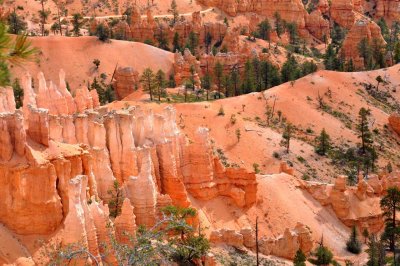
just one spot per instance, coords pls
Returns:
(364, 132)
(287, 136)
(102, 32)
(77, 23)
(290, 69)
(353, 245)
(116, 199)
(161, 83)
(16, 25)
(264, 30)
(176, 43)
(279, 24)
(299, 258)
(323, 143)
(238, 134)
(18, 93)
(13, 50)
(322, 256)
(174, 11)
(148, 82)
(390, 205)
(376, 252)
(96, 63)
(192, 42)
(105, 92)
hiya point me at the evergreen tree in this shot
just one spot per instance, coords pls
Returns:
(353, 245)
(299, 258)
(264, 30)
(376, 252)
(162, 38)
(192, 42)
(218, 73)
(160, 83)
(293, 33)
(390, 204)
(148, 82)
(249, 83)
(18, 93)
(16, 25)
(102, 32)
(290, 69)
(322, 256)
(176, 43)
(365, 51)
(174, 11)
(206, 83)
(279, 27)
(271, 75)
(235, 80)
(77, 23)
(323, 143)
(116, 199)
(287, 136)
(378, 52)
(44, 15)
(379, 79)
(397, 53)
(364, 132)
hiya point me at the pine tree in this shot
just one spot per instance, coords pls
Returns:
(363, 129)
(249, 82)
(287, 136)
(353, 245)
(174, 11)
(290, 69)
(322, 256)
(16, 24)
(390, 204)
(365, 51)
(206, 83)
(148, 82)
(299, 258)
(218, 73)
(279, 28)
(235, 80)
(175, 43)
(376, 252)
(116, 199)
(323, 143)
(378, 79)
(264, 30)
(77, 23)
(18, 93)
(160, 83)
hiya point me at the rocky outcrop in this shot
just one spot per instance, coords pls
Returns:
(126, 81)
(205, 177)
(388, 9)
(358, 205)
(394, 122)
(290, 10)
(284, 246)
(56, 168)
(342, 12)
(125, 223)
(183, 67)
(360, 30)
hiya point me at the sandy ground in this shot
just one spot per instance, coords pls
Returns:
(75, 56)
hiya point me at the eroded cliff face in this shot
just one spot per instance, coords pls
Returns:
(56, 166)
(358, 205)
(362, 29)
(388, 9)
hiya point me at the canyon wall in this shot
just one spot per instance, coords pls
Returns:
(60, 157)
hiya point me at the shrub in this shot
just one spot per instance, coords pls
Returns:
(353, 245)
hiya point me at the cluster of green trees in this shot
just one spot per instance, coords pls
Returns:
(257, 75)
(374, 52)
(154, 83)
(105, 91)
(173, 239)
